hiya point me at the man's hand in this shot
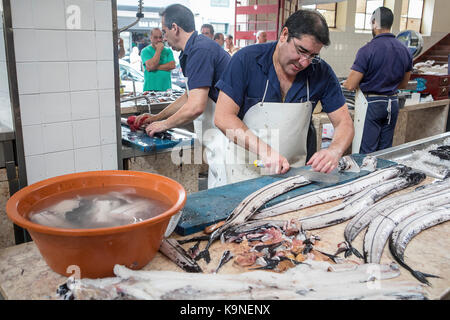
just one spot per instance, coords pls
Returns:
(157, 126)
(159, 46)
(275, 163)
(144, 119)
(325, 160)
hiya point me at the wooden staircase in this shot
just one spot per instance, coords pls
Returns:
(438, 52)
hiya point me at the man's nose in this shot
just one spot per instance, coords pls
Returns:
(304, 62)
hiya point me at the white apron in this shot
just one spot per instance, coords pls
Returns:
(214, 142)
(283, 126)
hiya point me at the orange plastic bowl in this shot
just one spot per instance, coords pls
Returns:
(92, 253)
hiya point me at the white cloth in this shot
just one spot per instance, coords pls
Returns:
(135, 59)
(283, 126)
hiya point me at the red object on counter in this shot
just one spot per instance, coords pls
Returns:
(132, 119)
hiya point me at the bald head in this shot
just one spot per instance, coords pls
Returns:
(156, 36)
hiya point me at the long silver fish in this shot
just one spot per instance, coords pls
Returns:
(364, 217)
(330, 194)
(351, 206)
(381, 226)
(406, 230)
(252, 203)
(307, 281)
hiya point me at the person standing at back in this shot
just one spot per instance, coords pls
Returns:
(219, 38)
(381, 67)
(261, 36)
(158, 62)
(207, 30)
(229, 45)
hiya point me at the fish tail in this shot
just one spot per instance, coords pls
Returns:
(422, 277)
(333, 257)
(356, 253)
(348, 250)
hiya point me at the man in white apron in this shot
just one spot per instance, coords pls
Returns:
(202, 61)
(266, 100)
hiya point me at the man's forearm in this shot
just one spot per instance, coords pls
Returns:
(167, 66)
(153, 63)
(342, 138)
(172, 108)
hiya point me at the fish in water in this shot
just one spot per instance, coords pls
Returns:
(406, 230)
(99, 211)
(306, 281)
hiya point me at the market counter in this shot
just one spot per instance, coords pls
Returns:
(415, 121)
(25, 275)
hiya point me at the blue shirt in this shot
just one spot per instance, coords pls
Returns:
(245, 79)
(203, 62)
(384, 62)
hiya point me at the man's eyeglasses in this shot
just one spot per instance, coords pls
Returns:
(303, 53)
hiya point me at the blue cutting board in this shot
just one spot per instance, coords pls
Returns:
(140, 140)
(213, 205)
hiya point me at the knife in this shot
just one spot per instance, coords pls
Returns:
(309, 174)
(318, 176)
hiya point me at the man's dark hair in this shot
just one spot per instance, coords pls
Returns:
(384, 16)
(230, 37)
(217, 35)
(180, 15)
(309, 22)
(208, 26)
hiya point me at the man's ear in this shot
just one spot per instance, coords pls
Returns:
(284, 35)
(176, 28)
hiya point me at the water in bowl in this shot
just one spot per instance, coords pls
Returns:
(101, 210)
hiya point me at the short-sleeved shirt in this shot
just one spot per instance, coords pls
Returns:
(157, 80)
(203, 62)
(245, 80)
(384, 62)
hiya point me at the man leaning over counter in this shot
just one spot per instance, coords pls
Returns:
(272, 89)
(202, 61)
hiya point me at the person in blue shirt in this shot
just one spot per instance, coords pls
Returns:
(202, 61)
(267, 94)
(381, 67)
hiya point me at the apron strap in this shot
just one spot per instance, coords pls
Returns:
(265, 92)
(307, 89)
(389, 110)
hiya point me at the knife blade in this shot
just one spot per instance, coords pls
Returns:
(309, 174)
(318, 176)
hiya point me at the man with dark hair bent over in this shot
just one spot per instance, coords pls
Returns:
(381, 67)
(202, 62)
(267, 94)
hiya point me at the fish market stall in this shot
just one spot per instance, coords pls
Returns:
(25, 275)
(419, 155)
(415, 121)
(142, 153)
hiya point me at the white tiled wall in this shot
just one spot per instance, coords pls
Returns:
(6, 118)
(65, 70)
